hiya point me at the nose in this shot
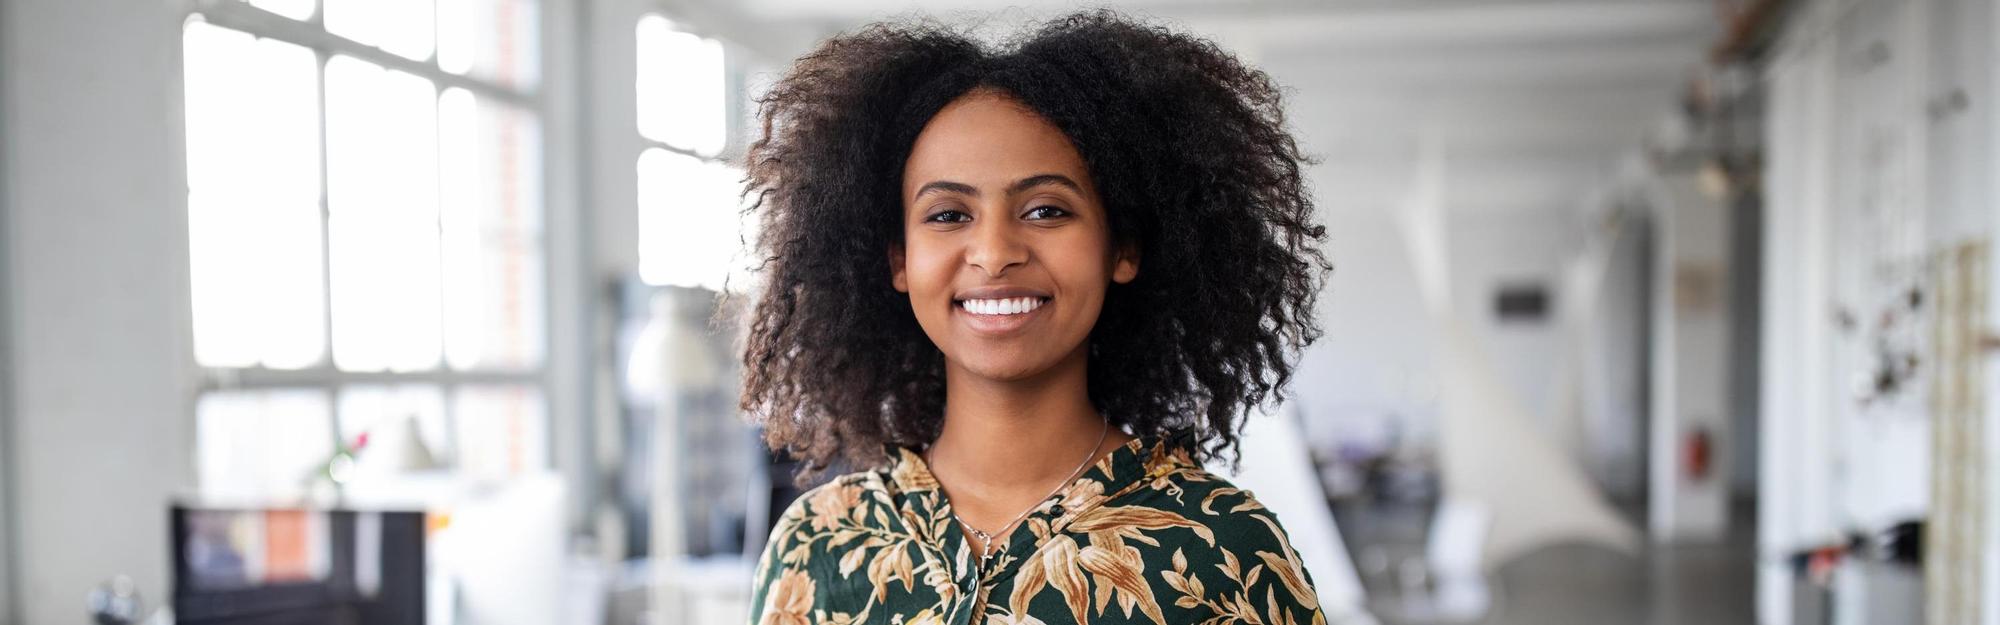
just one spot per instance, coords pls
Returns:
(996, 247)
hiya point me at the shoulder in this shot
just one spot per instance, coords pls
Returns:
(1234, 513)
(1170, 485)
(838, 498)
(1174, 494)
(1250, 546)
(841, 501)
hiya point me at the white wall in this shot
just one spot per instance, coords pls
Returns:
(1489, 251)
(1830, 466)
(1519, 155)
(1375, 361)
(97, 274)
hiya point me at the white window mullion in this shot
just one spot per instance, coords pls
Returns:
(325, 221)
(266, 24)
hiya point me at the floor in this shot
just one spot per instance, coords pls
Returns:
(1569, 584)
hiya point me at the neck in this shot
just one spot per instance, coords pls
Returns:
(1007, 435)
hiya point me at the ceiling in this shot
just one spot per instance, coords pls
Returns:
(1532, 102)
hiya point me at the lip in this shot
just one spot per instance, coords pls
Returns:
(998, 292)
(999, 325)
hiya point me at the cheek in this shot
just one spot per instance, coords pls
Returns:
(1080, 264)
(928, 269)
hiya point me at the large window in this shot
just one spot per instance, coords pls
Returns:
(367, 257)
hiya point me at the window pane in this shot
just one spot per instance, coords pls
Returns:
(690, 218)
(253, 204)
(403, 427)
(491, 175)
(681, 88)
(295, 9)
(493, 40)
(502, 430)
(401, 27)
(261, 444)
(382, 194)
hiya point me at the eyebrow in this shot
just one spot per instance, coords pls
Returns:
(1019, 186)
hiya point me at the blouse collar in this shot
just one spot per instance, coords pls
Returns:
(918, 498)
(909, 474)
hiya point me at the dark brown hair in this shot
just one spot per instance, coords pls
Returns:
(1189, 151)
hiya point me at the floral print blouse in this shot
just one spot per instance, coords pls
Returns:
(1144, 536)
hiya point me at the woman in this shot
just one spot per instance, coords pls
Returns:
(1033, 289)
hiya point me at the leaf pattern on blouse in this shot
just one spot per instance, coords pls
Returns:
(1145, 536)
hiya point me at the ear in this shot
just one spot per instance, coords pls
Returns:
(1126, 267)
(897, 276)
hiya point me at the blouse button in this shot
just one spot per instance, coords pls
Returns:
(1056, 510)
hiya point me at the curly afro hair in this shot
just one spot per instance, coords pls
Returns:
(1189, 151)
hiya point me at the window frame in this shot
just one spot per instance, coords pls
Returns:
(735, 99)
(737, 103)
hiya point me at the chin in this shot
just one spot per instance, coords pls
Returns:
(1006, 368)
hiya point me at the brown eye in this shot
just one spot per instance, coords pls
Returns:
(948, 217)
(1045, 212)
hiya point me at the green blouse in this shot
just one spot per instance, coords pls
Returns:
(1144, 536)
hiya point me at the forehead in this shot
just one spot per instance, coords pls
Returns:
(987, 139)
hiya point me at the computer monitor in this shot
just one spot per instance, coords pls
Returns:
(284, 566)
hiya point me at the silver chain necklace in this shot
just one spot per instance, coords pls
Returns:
(987, 538)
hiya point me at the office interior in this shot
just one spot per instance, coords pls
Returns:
(403, 311)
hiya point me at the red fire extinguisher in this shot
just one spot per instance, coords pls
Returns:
(1697, 454)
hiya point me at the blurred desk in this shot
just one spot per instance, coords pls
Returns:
(407, 549)
(291, 566)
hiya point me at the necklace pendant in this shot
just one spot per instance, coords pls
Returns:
(986, 551)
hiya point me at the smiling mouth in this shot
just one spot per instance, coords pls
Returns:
(1002, 306)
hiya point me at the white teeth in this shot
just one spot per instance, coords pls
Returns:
(1009, 306)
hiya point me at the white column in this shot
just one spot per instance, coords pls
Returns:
(1691, 395)
(1792, 492)
(97, 236)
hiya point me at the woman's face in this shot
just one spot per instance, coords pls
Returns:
(1007, 251)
